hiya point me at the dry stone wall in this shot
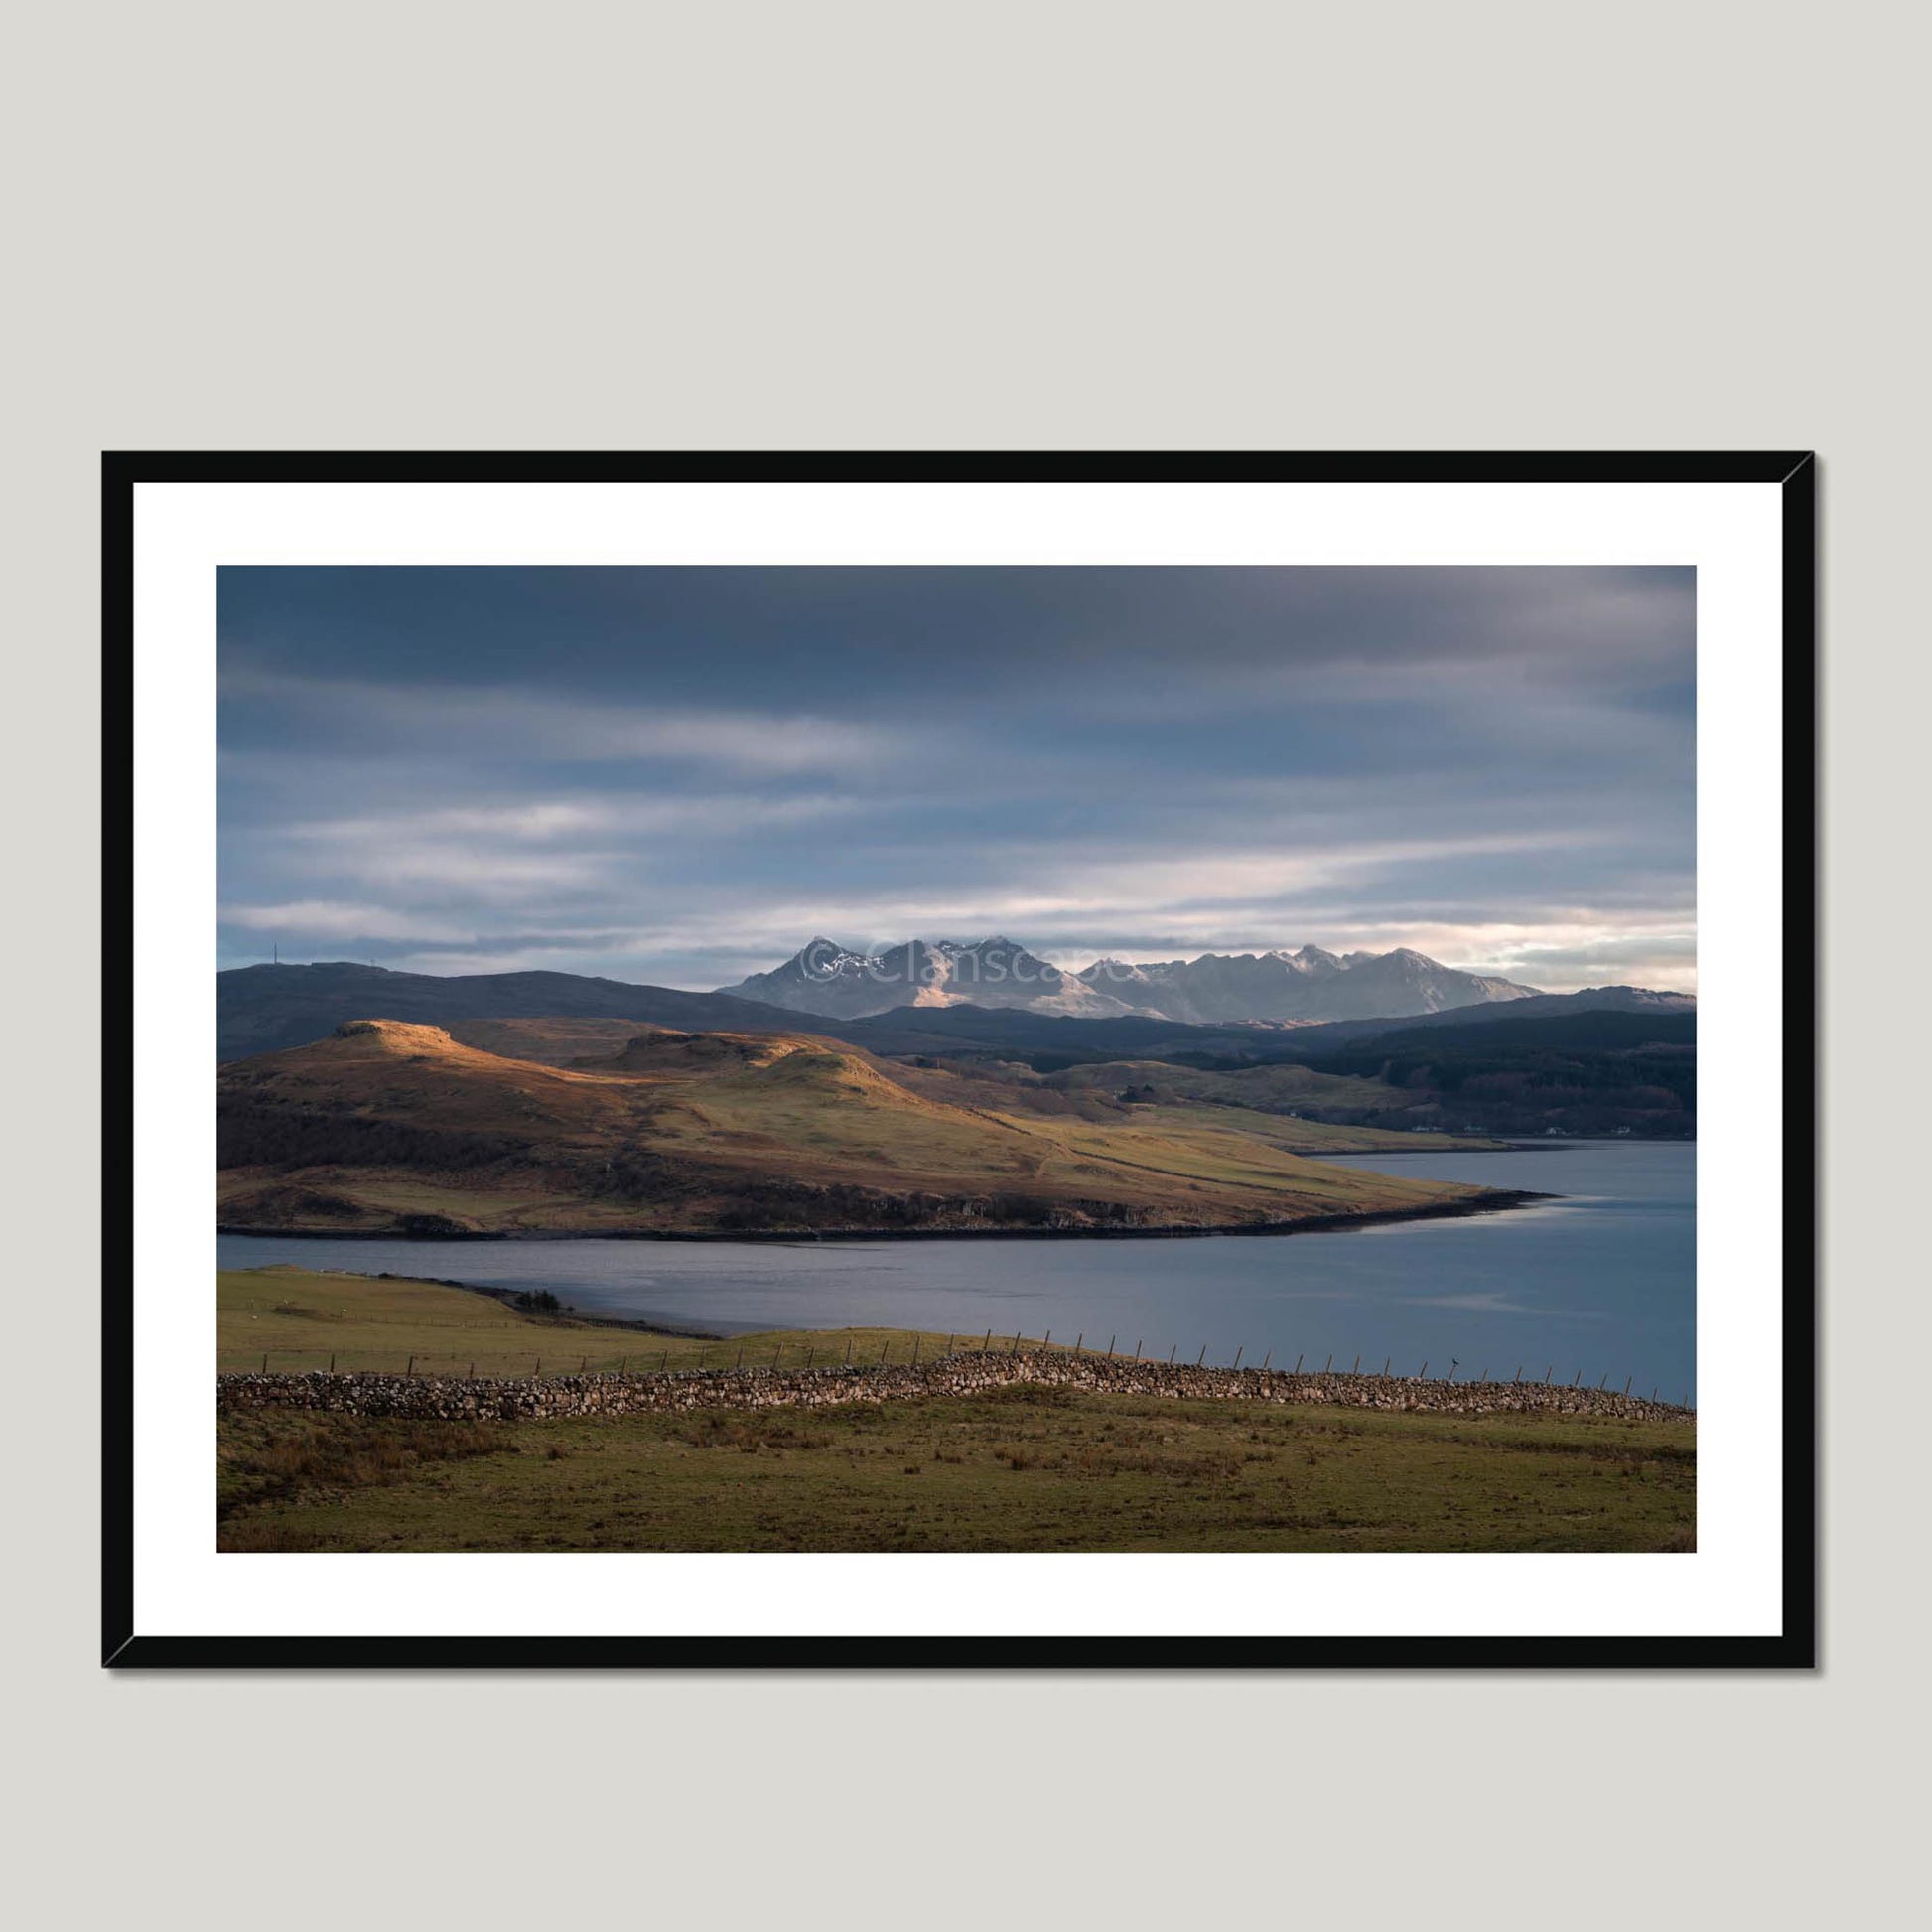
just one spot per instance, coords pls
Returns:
(534, 1399)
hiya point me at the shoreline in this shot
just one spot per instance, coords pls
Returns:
(1541, 1144)
(1491, 1202)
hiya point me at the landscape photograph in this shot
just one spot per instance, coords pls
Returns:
(956, 1059)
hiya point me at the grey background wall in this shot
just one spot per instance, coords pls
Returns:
(1005, 225)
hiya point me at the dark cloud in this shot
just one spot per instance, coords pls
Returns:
(678, 775)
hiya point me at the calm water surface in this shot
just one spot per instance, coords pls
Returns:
(1601, 1280)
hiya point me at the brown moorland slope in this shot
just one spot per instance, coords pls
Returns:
(388, 1126)
(554, 1043)
(1340, 1105)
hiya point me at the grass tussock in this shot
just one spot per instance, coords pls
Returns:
(304, 1460)
(749, 1432)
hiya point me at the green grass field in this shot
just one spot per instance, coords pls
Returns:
(1009, 1469)
(303, 1319)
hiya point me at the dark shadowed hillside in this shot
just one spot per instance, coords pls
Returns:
(1585, 1073)
(1563, 1013)
(264, 1008)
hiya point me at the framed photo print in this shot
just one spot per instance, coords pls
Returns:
(1038, 1059)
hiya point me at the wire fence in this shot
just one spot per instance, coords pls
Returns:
(857, 1349)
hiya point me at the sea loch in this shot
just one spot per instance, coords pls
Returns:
(1598, 1283)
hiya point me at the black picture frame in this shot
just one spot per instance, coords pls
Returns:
(1794, 473)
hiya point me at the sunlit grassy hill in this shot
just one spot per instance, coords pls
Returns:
(392, 1126)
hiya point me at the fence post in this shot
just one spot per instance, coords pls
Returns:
(1297, 1365)
(809, 1353)
(1547, 1373)
(1626, 1384)
(1049, 1342)
(1386, 1360)
(1423, 1376)
(1357, 1369)
(1014, 1349)
(1484, 1376)
(1518, 1376)
(1266, 1359)
(332, 1365)
(1237, 1355)
(666, 1363)
(1575, 1379)
(1600, 1385)
(848, 1351)
(539, 1365)
(1076, 1345)
(265, 1361)
(916, 1351)
(740, 1363)
(884, 1352)
(1171, 1353)
(410, 1370)
(1138, 1339)
(583, 1365)
(776, 1353)
(1329, 1364)
(1111, 1339)
(987, 1343)
(1203, 1356)
(473, 1371)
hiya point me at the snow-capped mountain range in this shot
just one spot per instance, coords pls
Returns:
(1276, 987)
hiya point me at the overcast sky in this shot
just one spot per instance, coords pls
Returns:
(679, 776)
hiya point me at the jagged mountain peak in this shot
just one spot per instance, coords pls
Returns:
(995, 971)
(1277, 987)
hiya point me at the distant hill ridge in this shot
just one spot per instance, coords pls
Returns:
(266, 1009)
